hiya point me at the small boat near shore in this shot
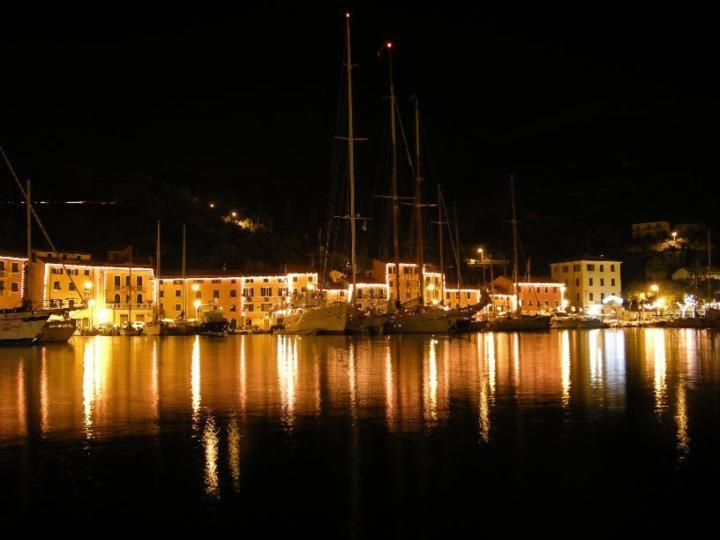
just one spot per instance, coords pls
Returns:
(58, 330)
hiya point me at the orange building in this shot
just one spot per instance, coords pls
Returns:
(541, 295)
(12, 279)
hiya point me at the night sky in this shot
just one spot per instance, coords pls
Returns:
(607, 117)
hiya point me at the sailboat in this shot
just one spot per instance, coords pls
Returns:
(419, 319)
(25, 324)
(155, 326)
(517, 321)
(182, 326)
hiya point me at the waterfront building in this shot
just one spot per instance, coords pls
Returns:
(590, 282)
(539, 295)
(433, 282)
(104, 292)
(460, 298)
(12, 279)
(186, 297)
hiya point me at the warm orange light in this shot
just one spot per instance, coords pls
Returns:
(389, 44)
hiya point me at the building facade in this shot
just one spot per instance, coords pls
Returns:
(12, 280)
(590, 282)
(103, 293)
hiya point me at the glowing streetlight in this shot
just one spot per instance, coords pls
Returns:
(196, 303)
(674, 235)
(654, 288)
(212, 205)
(234, 214)
(195, 287)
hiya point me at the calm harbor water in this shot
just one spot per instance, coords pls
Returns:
(391, 436)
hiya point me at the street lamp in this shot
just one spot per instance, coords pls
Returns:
(196, 303)
(654, 288)
(674, 235)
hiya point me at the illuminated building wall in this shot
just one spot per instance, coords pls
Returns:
(460, 298)
(385, 272)
(12, 274)
(588, 281)
(109, 293)
(196, 293)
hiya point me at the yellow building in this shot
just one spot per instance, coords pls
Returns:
(460, 298)
(409, 286)
(12, 279)
(189, 296)
(105, 293)
(590, 282)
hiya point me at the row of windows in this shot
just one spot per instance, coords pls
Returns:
(117, 280)
(14, 287)
(589, 267)
(371, 293)
(540, 303)
(14, 267)
(591, 297)
(538, 289)
(591, 282)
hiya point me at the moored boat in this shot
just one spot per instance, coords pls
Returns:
(430, 321)
(58, 330)
(213, 322)
(518, 322)
(323, 319)
(21, 326)
(575, 322)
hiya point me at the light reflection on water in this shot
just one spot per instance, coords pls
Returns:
(224, 391)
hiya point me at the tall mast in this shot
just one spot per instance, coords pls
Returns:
(157, 266)
(131, 290)
(28, 226)
(515, 240)
(351, 153)
(393, 179)
(440, 224)
(184, 287)
(457, 248)
(418, 207)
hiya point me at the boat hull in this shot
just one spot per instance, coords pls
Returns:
(57, 331)
(21, 327)
(330, 319)
(526, 323)
(429, 322)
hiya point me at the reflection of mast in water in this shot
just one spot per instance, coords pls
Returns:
(595, 354)
(155, 383)
(242, 375)
(234, 452)
(516, 362)
(21, 397)
(210, 442)
(565, 366)
(483, 399)
(681, 419)
(195, 381)
(352, 381)
(44, 426)
(431, 384)
(389, 390)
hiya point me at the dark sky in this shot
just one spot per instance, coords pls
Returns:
(607, 117)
